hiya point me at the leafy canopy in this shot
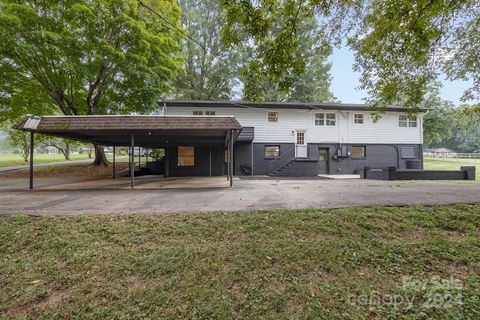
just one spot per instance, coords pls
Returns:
(401, 46)
(210, 69)
(85, 56)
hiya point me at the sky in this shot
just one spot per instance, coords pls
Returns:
(345, 80)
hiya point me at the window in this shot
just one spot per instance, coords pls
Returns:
(209, 113)
(358, 152)
(319, 119)
(186, 156)
(272, 151)
(301, 138)
(272, 116)
(322, 119)
(330, 119)
(197, 112)
(225, 156)
(404, 121)
(358, 118)
(412, 122)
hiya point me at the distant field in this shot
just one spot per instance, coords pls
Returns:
(17, 160)
(451, 164)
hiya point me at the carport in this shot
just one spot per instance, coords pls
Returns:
(147, 131)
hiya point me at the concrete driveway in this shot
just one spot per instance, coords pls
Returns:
(52, 196)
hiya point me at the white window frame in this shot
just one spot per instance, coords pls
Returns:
(334, 119)
(324, 119)
(361, 118)
(321, 120)
(405, 121)
(276, 116)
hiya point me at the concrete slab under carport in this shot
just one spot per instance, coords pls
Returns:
(141, 183)
(245, 195)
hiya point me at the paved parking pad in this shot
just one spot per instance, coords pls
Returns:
(205, 194)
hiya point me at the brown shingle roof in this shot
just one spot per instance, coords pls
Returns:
(127, 122)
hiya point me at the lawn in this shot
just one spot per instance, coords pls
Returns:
(17, 160)
(451, 164)
(359, 263)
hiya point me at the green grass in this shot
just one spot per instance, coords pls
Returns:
(451, 164)
(17, 160)
(277, 264)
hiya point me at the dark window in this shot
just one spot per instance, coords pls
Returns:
(358, 152)
(197, 112)
(186, 156)
(209, 113)
(272, 151)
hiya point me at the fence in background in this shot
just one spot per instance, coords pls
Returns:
(452, 155)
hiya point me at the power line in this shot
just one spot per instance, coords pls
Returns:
(170, 23)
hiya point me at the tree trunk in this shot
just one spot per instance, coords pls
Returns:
(66, 154)
(89, 152)
(26, 152)
(100, 157)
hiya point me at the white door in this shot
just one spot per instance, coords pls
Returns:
(300, 144)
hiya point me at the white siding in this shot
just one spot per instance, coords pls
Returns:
(384, 131)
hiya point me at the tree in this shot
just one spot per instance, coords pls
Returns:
(400, 45)
(86, 57)
(62, 145)
(313, 85)
(20, 140)
(210, 69)
(439, 122)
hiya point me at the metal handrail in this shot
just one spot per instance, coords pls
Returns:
(282, 160)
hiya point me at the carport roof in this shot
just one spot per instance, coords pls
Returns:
(149, 130)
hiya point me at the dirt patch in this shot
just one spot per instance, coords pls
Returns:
(67, 171)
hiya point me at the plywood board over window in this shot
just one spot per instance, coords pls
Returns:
(186, 156)
(272, 151)
(358, 152)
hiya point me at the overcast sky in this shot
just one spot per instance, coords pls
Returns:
(345, 81)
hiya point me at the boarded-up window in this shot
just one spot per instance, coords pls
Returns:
(358, 152)
(272, 151)
(408, 152)
(186, 156)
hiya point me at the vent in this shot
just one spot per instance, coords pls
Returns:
(408, 152)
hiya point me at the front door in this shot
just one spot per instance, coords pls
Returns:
(300, 145)
(322, 160)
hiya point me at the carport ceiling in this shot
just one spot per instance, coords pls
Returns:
(148, 131)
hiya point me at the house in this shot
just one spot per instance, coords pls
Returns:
(298, 139)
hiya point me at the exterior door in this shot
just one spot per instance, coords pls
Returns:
(322, 160)
(300, 145)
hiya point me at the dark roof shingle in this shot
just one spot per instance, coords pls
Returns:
(127, 122)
